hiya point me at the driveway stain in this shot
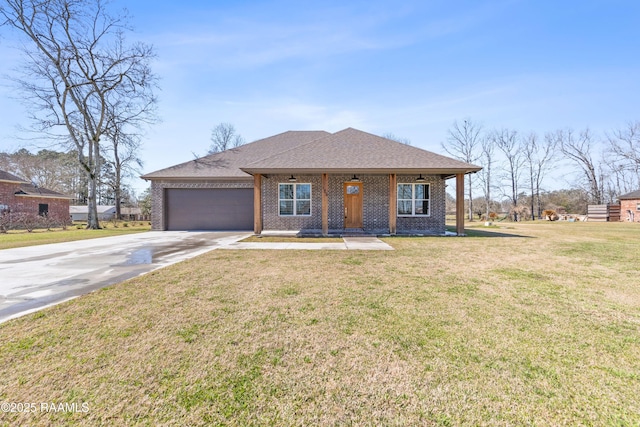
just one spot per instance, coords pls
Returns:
(139, 256)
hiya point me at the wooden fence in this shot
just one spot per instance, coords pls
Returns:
(603, 213)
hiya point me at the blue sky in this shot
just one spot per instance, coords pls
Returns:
(406, 67)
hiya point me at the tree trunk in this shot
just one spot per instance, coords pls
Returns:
(93, 222)
(488, 198)
(117, 191)
(533, 212)
(92, 207)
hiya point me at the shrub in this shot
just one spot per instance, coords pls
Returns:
(5, 222)
(29, 221)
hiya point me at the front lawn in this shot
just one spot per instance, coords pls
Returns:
(537, 326)
(21, 238)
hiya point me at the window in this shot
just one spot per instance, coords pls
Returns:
(638, 207)
(413, 200)
(295, 199)
(353, 189)
(43, 209)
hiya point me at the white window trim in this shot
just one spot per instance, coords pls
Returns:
(295, 198)
(413, 200)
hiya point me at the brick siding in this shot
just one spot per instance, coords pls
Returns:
(629, 205)
(158, 191)
(375, 205)
(270, 218)
(435, 222)
(57, 208)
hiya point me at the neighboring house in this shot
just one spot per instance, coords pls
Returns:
(132, 214)
(20, 196)
(310, 181)
(630, 206)
(80, 213)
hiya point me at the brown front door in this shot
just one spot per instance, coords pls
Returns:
(352, 205)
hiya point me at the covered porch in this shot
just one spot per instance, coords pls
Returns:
(358, 216)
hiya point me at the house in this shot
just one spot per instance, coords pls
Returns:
(80, 213)
(313, 182)
(132, 214)
(630, 206)
(18, 196)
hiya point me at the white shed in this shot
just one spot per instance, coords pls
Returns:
(79, 213)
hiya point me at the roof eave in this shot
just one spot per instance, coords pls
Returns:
(196, 178)
(11, 181)
(44, 196)
(311, 171)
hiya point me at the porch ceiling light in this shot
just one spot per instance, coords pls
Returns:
(292, 178)
(355, 178)
(420, 179)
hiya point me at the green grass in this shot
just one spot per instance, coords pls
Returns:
(20, 238)
(530, 324)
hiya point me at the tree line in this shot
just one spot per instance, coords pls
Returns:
(60, 171)
(517, 167)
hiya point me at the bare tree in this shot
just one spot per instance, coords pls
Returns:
(76, 58)
(579, 149)
(224, 137)
(508, 143)
(125, 162)
(538, 157)
(486, 160)
(392, 136)
(625, 145)
(463, 141)
(126, 117)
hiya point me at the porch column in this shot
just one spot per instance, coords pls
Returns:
(325, 204)
(257, 203)
(460, 204)
(393, 202)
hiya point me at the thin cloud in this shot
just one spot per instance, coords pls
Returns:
(253, 41)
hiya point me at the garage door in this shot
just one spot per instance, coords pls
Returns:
(209, 209)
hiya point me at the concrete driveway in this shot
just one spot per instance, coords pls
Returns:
(37, 276)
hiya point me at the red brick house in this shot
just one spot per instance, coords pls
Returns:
(630, 206)
(18, 196)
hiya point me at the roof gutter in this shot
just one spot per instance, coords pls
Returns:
(380, 171)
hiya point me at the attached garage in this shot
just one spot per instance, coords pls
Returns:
(209, 208)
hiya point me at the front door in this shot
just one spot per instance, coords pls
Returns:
(352, 205)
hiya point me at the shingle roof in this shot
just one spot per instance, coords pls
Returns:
(350, 151)
(32, 190)
(226, 164)
(629, 196)
(6, 176)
